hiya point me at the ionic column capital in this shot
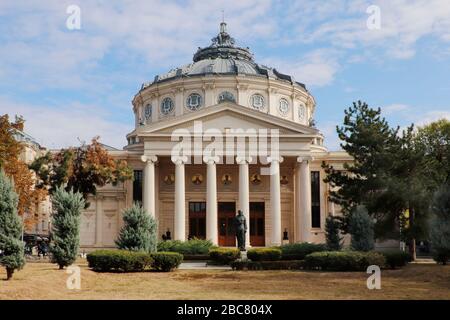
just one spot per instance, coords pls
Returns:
(278, 159)
(305, 158)
(179, 159)
(243, 160)
(149, 158)
(211, 159)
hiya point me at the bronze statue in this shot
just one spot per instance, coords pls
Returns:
(240, 225)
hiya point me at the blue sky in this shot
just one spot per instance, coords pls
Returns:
(75, 84)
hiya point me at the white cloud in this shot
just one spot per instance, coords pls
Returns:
(63, 126)
(343, 24)
(315, 69)
(432, 116)
(394, 108)
(332, 141)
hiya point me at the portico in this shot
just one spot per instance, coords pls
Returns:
(196, 201)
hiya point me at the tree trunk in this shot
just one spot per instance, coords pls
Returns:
(61, 267)
(412, 239)
(9, 273)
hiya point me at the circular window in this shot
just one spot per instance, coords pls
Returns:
(283, 107)
(302, 112)
(257, 101)
(148, 112)
(166, 106)
(226, 96)
(194, 101)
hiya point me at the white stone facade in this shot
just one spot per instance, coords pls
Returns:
(197, 196)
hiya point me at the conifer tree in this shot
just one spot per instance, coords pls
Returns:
(139, 230)
(361, 229)
(372, 143)
(12, 247)
(332, 233)
(440, 225)
(66, 218)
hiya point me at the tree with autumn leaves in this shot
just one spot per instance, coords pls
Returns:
(29, 194)
(80, 169)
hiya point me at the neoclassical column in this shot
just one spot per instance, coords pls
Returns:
(303, 193)
(275, 199)
(244, 193)
(211, 199)
(99, 221)
(149, 198)
(180, 211)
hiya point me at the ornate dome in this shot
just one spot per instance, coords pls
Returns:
(223, 57)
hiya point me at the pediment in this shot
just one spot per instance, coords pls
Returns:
(226, 116)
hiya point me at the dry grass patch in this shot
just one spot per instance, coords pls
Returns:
(44, 281)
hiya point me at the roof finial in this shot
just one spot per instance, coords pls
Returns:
(223, 25)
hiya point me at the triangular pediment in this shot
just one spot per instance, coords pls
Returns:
(226, 116)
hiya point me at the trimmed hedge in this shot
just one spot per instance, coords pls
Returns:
(224, 255)
(118, 260)
(264, 254)
(196, 257)
(190, 247)
(343, 260)
(441, 256)
(298, 251)
(166, 261)
(396, 258)
(267, 265)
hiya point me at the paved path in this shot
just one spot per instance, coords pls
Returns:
(424, 261)
(201, 266)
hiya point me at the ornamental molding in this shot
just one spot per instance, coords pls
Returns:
(240, 86)
(272, 90)
(208, 85)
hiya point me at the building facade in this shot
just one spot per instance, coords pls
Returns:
(41, 217)
(215, 136)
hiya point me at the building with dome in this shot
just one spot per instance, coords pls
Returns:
(218, 135)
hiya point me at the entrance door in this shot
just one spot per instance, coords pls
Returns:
(257, 228)
(227, 212)
(197, 220)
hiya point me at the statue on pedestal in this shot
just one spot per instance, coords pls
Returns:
(240, 227)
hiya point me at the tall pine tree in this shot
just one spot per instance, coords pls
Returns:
(139, 231)
(66, 226)
(372, 143)
(12, 247)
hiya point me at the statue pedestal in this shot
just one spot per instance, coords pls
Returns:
(244, 255)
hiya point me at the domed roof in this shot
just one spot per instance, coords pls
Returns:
(223, 57)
